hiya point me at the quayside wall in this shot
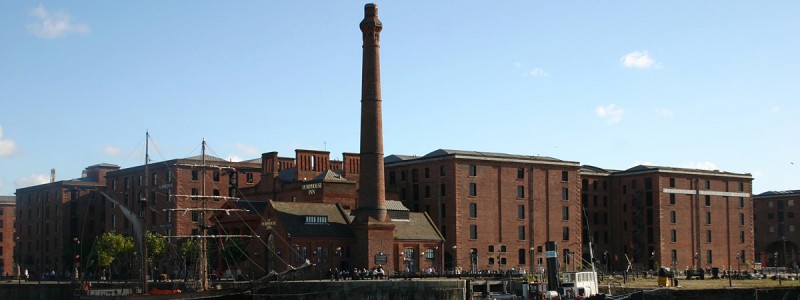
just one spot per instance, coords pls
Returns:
(365, 290)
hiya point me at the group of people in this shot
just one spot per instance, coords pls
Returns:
(356, 274)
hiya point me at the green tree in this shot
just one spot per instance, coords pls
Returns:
(156, 245)
(110, 245)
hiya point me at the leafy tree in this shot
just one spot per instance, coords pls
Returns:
(110, 245)
(156, 245)
(190, 250)
(234, 252)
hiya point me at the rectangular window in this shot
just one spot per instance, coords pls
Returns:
(427, 173)
(520, 212)
(392, 177)
(674, 256)
(708, 200)
(672, 217)
(195, 216)
(473, 232)
(473, 210)
(741, 186)
(520, 173)
(565, 213)
(473, 189)
(565, 234)
(708, 218)
(671, 199)
(521, 233)
(427, 191)
(709, 256)
(790, 202)
(441, 170)
(771, 229)
(708, 236)
(565, 194)
(403, 175)
(520, 192)
(708, 184)
(442, 190)
(674, 236)
(741, 202)
(741, 237)
(195, 175)
(473, 171)
(564, 176)
(672, 182)
(414, 175)
(741, 219)
(633, 184)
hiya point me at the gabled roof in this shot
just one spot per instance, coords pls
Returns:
(418, 227)
(397, 157)
(478, 155)
(330, 176)
(253, 161)
(445, 152)
(292, 215)
(208, 158)
(661, 169)
(396, 205)
(779, 193)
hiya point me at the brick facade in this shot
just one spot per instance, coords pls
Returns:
(57, 220)
(661, 216)
(495, 210)
(8, 252)
(777, 221)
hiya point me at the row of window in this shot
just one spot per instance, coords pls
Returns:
(472, 172)
(674, 236)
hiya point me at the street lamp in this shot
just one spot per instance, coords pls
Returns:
(77, 256)
(455, 259)
(532, 258)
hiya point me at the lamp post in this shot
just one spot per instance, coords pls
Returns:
(77, 256)
(532, 258)
(19, 260)
(455, 259)
(775, 261)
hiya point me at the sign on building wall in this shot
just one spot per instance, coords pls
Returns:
(381, 258)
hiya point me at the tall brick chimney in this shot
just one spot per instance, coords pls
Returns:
(372, 191)
(372, 226)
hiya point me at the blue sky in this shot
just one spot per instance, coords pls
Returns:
(699, 84)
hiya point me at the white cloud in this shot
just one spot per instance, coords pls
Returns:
(776, 109)
(518, 65)
(706, 165)
(247, 150)
(758, 174)
(664, 112)
(638, 60)
(111, 150)
(7, 147)
(610, 112)
(56, 24)
(536, 72)
(35, 179)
